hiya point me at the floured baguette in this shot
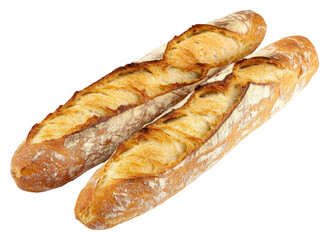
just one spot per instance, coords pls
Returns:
(87, 129)
(168, 154)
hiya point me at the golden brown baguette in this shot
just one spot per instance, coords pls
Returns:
(168, 154)
(87, 129)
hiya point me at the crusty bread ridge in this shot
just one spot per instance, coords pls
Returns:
(87, 129)
(168, 154)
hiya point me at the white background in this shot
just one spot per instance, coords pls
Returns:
(273, 185)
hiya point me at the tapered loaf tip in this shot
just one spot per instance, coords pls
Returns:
(39, 167)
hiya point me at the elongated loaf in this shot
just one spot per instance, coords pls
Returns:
(168, 154)
(87, 129)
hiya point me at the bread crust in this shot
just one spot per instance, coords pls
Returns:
(86, 130)
(123, 189)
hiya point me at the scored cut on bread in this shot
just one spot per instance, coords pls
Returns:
(86, 130)
(168, 154)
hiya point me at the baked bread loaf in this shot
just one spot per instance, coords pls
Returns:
(166, 155)
(86, 130)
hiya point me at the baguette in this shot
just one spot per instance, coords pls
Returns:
(86, 130)
(171, 152)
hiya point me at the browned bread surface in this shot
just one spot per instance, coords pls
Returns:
(168, 154)
(87, 129)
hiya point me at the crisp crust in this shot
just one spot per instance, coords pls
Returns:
(86, 130)
(197, 56)
(131, 182)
